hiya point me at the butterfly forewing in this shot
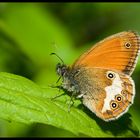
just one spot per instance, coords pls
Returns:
(118, 52)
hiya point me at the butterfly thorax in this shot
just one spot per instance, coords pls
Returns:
(75, 80)
(69, 83)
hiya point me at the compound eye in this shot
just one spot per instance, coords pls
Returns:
(118, 98)
(113, 105)
(110, 75)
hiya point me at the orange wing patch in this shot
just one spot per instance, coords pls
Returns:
(117, 52)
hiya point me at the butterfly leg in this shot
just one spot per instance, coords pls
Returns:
(60, 88)
(53, 86)
(71, 102)
(58, 79)
(58, 96)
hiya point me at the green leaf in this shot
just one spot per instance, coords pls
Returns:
(22, 100)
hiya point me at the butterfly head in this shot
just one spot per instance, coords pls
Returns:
(61, 69)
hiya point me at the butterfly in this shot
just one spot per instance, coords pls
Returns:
(101, 77)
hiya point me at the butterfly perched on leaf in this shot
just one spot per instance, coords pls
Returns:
(101, 76)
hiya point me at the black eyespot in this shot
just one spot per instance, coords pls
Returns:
(114, 105)
(118, 98)
(127, 45)
(110, 75)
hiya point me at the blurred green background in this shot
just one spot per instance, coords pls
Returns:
(29, 32)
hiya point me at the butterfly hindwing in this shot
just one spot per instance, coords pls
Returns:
(107, 93)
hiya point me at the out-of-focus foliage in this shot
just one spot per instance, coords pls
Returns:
(29, 32)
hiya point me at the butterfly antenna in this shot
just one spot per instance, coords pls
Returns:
(57, 57)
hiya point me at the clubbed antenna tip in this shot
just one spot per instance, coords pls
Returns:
(57, 57)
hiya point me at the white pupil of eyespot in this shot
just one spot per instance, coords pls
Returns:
(118, 98)
(113, 105)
